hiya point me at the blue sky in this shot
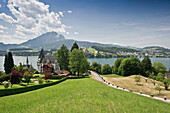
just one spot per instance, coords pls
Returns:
(136, 23)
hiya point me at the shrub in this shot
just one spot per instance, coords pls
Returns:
(4, 77)
(48, 76)
(160, 77)
(166, 83)
(158, 88)
(6, 84)
(40, 80)
(154, 82)
(28, 75)
(96, 67)
(137, 78)
(15, 77)
(106, 69)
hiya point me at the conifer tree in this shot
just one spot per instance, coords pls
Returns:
(75, 46)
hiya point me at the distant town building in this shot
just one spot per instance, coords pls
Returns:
(47, 63)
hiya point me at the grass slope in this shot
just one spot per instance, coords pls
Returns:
(80, 95)
(112, 75)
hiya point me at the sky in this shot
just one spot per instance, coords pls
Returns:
(138, 23)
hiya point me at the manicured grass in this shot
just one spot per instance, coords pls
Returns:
(111, 75)
(80, 95)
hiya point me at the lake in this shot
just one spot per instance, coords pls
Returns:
(33, 61)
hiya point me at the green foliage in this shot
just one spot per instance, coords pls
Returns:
(6, 84)
(160, 77)
(15, 77)
(4, 77)
(146, 66)
(8, 63)
(78, 62)
(40, 80)
(96, 67)
(158, 88)
(116, 66)
(27, 76)
(106, 69)
(5, 92)
(166, 83)
(63, 57)
(80, 95)
(137, 78)
(130, 66)
(113, 50)
(159, 68)
(75, 46)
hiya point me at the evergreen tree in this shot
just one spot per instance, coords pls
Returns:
(75, 46)
(63, 57)
(146, 66)
(9, 63)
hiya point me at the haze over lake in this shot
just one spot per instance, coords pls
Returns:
(33, 61)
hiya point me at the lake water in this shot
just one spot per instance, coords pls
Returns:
(33, 61)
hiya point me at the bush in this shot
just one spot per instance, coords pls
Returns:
(106, 69)
(96, 67)
(158, 88)
(6, 84)
(48, 76)
(166, 83)
(28, 75)
(4, 77)
(15, 77)
(160, 77)
(40, 80)
(137, 78)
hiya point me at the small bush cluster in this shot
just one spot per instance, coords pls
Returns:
(6, 84)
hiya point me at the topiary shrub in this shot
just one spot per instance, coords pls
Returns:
(6, 84)
(40, 80)
(27, 76)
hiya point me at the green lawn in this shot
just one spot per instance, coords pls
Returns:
(111, 75)
(80, 95)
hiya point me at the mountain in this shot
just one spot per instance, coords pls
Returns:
(52, 40)
(156, 49)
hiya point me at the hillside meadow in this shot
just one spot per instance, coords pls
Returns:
(80, 95)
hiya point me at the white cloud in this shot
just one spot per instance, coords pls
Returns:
(0, 5)
(61, 13)
(1, 31)
(67, 33)
(76, 33)
(69, 11)
(2, 27)
(7, 18)
(32, 18)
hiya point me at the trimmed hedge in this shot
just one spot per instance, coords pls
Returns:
(6, 92)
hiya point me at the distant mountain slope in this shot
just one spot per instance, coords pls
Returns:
(51, 40)
(113, 49)
(156, 49)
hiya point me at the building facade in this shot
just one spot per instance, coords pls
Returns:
(47, 63)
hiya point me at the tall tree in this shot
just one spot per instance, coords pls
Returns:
(9, 63)
(6, 68)
(146, 66)
(116, 65)
(75, 46)
(78, 61)
(63, 57)
(159, 68)
(96, 67)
